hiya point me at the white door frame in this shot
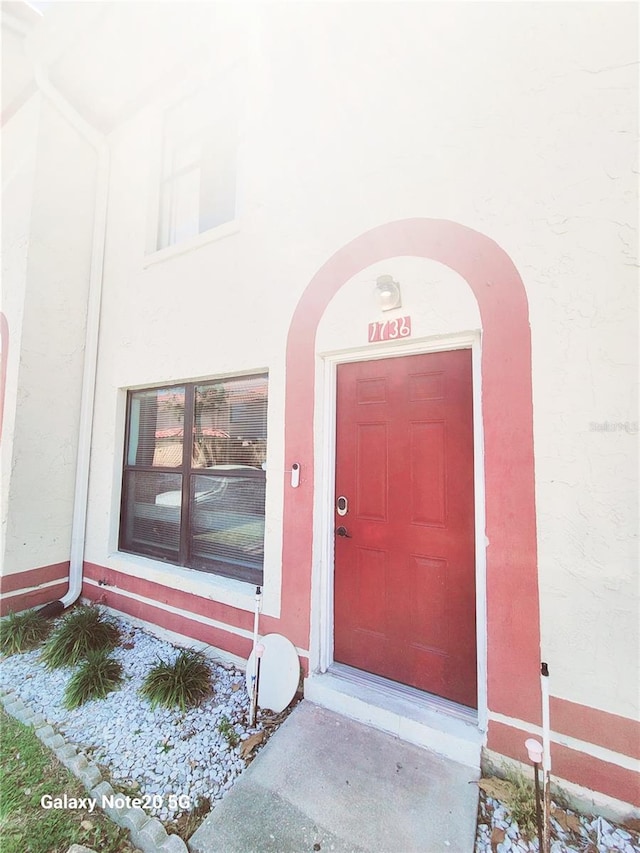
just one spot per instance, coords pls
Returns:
(322, 614)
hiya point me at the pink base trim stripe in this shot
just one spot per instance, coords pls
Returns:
(592, 773)
(170, 621)
(33, 577)
(33, 598)
(27, 586)
(611, 731)
(181, 600)
(169, 595)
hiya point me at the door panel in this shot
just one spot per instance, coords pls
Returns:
(405, 576)
(371, 471)
(426, 468)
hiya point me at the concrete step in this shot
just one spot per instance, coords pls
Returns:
(324, 779)
(439, 725)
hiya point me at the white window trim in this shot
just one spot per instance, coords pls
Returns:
(227, 229)
(152, 255)
(231, 591)
(225, 590)
(235, 593)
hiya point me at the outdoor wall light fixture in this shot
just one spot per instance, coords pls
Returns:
(388, 293)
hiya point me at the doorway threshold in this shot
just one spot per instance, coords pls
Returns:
(437, 724)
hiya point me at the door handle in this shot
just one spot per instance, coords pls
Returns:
(342, 531)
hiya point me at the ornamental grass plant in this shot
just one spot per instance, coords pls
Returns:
(183, 683)
(20, 632)
(96, 676)
(83, 630)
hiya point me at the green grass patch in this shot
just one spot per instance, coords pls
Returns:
(518, 795)
(83, 630)
(97, 676)
(183, 684)
(20, 632)
(226, 729)
(522, 802)
(27, 772)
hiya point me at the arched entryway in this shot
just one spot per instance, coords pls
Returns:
(513, 641)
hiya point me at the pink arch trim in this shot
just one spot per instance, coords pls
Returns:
(512, 581)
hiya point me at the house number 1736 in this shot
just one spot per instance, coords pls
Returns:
(390, 330)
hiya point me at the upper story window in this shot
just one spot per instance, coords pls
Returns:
(195, 497)
(198, 174)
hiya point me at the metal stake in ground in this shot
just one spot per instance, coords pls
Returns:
(258, 659)
(535, 750)
(546, 756)
(253, 703)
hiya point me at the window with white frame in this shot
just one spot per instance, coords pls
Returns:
(195, 497)
(198, 173)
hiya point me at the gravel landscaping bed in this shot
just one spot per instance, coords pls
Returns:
(181, 762)
(499, 833)
(178, 759)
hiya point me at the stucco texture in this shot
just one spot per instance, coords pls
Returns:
(516, 120)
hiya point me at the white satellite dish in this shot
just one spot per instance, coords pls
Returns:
(279, 672)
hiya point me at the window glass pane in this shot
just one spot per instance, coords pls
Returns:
(151, 513)
(198, 181)
(185, 206)
(231, 423)
(225, 513)
(227, 519)
(156, 427)
(218, 181)
(188, 153)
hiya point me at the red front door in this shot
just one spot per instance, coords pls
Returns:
(404, 564)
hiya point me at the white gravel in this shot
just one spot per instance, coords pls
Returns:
(596, 834)
(179, 758)
(169, 754)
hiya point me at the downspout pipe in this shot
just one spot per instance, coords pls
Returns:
(78, 527)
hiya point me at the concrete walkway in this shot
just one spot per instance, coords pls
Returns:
(324, 782)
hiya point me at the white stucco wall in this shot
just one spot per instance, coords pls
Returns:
(586, 443)
(517, 120)
(48, 343)
(19, 138)
(436, 298)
